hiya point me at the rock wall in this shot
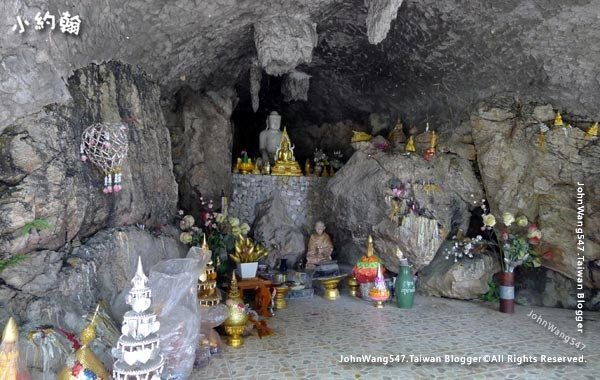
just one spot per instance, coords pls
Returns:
(302, 197)
(356, 198)
(202, 137)
(42, 177)
(58, 287)
(520, 177)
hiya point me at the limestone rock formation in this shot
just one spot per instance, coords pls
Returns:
(445, 190)
(521, 178)
(545, 287)
(202, 140)
(67, 283)
(284, 42)
(277, 230)
(380, 15)
(255, 79)
(295, 86)
(43, 178)
(465, 279)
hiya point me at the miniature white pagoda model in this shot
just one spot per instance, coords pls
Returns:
(137, 353)
(207, 282)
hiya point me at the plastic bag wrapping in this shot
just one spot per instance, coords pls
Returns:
(212, 317)
(174, 285)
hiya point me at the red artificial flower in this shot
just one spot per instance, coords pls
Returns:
(534, 240)
(532, 228)
(548, 255)
(504, 235)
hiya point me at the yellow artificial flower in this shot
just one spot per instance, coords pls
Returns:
(508, 218)
(522, 221)
(489, 220)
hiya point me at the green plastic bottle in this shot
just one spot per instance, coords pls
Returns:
(405, 286)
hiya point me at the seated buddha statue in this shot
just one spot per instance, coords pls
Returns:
(320, 247)
(285, 162)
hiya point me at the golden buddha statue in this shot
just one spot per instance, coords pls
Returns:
(11, 368)
(592, 131)
(285, 163)
(410, 145)
(85, 356)
(558, 121)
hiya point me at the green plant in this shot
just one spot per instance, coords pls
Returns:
(38, 224)
(493, 294)
(5, 263)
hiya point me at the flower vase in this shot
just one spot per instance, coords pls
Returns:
(507, 292)
(248, 270)
(405, 287)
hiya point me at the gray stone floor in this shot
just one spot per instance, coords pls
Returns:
(312, 335)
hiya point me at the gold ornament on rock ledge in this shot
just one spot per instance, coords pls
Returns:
(285, 162)
(592, 131)
(410, 145)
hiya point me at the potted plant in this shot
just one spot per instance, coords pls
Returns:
(517, 240)
(246, 255)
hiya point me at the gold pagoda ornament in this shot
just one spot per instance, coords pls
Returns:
(207, 282)
(86, 362)
(285, 162)
(410, 146)
(11, 367)
(592, 131)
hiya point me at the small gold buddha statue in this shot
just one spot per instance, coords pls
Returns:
(410, 145)
(558, 121)
(592, 131)
(285, 163)
(85, 356)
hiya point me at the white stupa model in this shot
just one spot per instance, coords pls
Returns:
(137, 355)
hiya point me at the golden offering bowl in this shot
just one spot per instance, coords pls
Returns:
(280, 297)
(234, 335)
(353, 285)
(246, 168)
(379, 299)
(330, 284)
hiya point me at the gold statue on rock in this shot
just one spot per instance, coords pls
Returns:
(410, 145)
(592, 131)
(85, 357)
(285, 162)
(558, 121)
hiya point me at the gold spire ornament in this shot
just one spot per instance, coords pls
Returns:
(592, 131)
(207, 282)
(285, 162)
(85, 359)
(11, 367)
(410, 146)
(370, 247)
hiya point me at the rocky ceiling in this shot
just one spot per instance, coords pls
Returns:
(439, 57)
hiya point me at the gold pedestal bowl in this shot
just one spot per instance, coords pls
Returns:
(353, 285)
(234, 335)
(330, 284)
(281, 292)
